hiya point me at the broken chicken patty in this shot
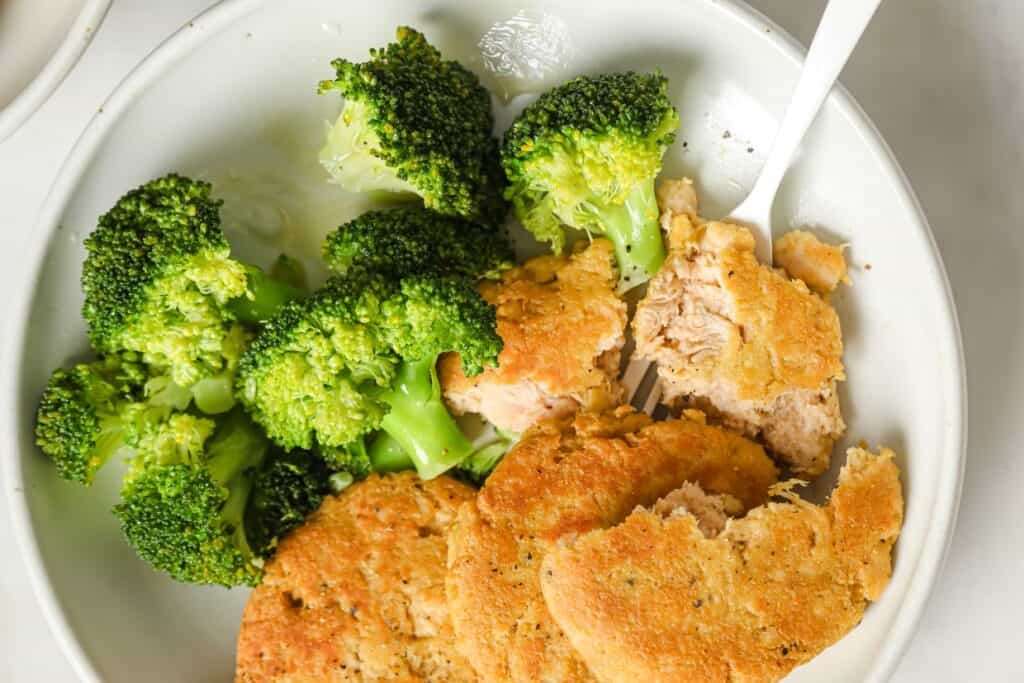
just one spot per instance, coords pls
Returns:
(744, 343)
(357, 592)
(655, 600)
(563, 479)
(563, 330)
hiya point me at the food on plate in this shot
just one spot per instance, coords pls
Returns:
(414, 239)
(657, 599)
(361, 354)
(709, 510)
(801, 254)
(357, 594)
(206, 499)
(285, 490)
(746, 344)
(414, 123)
(183, 501)
(563, 479)
(159, 282)
(563, 329)
(170, 311)
(87, 413)
(602, 545)
(585, 155)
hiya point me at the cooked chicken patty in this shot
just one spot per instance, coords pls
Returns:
(746, 344)
(563, 329)
(565, 478)
(802, 255)
(655, 600)
(357, 592)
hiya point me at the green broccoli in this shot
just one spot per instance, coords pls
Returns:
(387, 455)
(159, 281)
(183, 504)
(414, 123)
(359, 355)
(586, 154)
(87, 414)
(286, 489)
(486, 456)
(410, 240)
(306, 376)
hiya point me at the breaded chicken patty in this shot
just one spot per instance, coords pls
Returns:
(565, 478)
(563, 328)
(654, 600)
(744, 343)
(357, 592)
(802, 255)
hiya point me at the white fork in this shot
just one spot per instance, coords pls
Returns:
(841, 26)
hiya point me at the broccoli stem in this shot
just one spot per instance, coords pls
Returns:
(387, 455)
(109, 441)
(215, 395)
(420, 422)
(634, 230)
(236, 451)
(237, 448)
(265, 296)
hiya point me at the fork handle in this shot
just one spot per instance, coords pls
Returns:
(841, 27)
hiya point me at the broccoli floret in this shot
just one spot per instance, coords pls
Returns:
(286, 489)
(159, 281)
(183, 508)
(415, 123)
(308, 376)
(360, 355)
(586, 154)
(86, 415)
(352, 458)
(410, 240)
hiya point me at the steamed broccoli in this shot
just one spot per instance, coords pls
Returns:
(410, 240)
(586, 155)
(286, 489)
(387, 455)
(414, 123)
(486, 456)
(359, 355)
(159, 281)
(86, 415)
(183, 504)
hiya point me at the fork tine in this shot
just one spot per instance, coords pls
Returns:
(653, 398)
(633, 377)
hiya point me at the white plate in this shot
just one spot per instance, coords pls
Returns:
(39, 43)
(232, 97)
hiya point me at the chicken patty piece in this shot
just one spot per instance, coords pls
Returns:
(565, 478)
(744, 343)
(802, 255)
(357, 593)
(655, 600)
(563, 328)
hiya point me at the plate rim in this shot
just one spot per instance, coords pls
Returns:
(938, 537)
(34, 95)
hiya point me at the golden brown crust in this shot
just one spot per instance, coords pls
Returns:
(802, 255)
(742, 341)
(654, 600)
(357, 593)
(566, 478)
(563, 328)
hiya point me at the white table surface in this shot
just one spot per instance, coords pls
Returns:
(943, 81)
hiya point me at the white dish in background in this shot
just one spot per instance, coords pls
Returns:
(39, 44)
(235, 102)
